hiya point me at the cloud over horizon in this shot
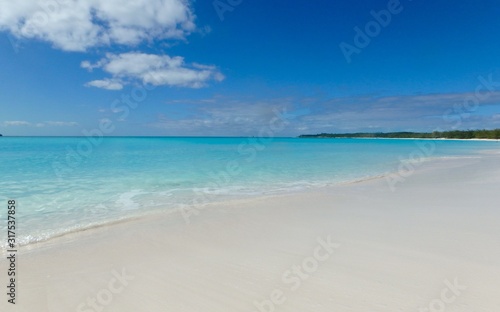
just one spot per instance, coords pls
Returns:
(366, 113)
(23, 123)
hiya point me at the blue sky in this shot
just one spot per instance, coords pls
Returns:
(171, 67)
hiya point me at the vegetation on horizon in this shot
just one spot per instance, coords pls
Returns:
(455, 134)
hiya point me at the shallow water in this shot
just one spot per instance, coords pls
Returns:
(67, 184)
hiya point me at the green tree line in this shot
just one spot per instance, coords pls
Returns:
(455, 134)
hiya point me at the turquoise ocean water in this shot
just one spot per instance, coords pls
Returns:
(68, 184)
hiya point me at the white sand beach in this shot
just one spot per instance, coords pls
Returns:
(432, 244)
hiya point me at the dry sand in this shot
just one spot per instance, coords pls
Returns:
(432, 244)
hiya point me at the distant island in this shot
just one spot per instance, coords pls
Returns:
(456, 134)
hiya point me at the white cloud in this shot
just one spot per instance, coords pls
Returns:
(105, 84)
(89, 66)
(62, 123)
(76, 25)
(153, 70)
(17, 123)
